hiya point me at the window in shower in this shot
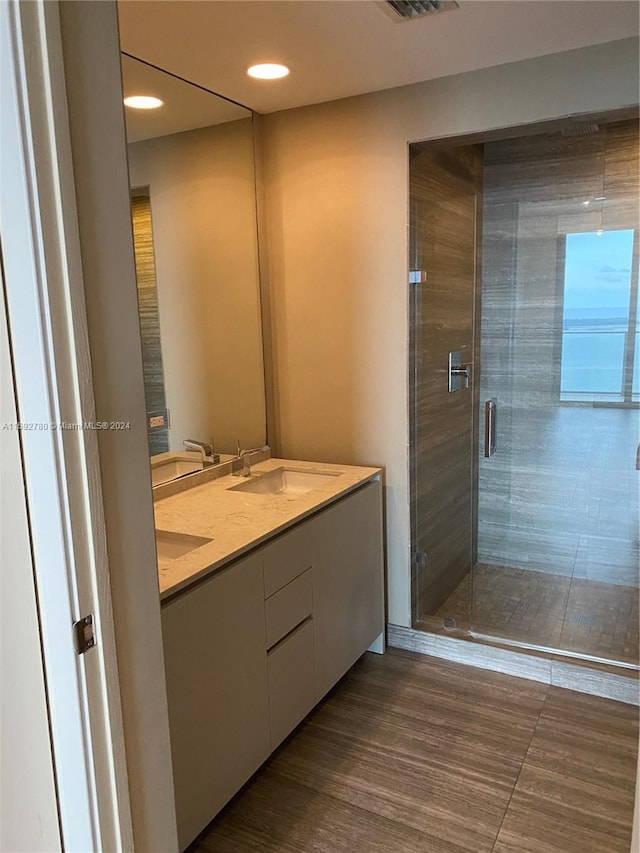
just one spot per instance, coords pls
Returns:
(599, 337)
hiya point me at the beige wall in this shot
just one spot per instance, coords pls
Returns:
(336, 196)
(201, 187)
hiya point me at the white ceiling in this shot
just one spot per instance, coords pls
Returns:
(337, 48)
(185, 107)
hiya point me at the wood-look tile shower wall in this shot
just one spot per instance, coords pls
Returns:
(154, 390)
(562, 484)
(446, 187)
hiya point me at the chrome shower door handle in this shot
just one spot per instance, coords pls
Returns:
(490, 427)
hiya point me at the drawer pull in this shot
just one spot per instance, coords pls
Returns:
(284, 639)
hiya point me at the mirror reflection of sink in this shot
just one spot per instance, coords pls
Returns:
(169, 466)
(172, 545)
(285, 481)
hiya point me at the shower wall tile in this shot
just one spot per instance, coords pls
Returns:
(154, 390)
(526, 548)
(608, 560)
(445, 184)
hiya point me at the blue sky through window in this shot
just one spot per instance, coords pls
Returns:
(597, 276)
(597, 284)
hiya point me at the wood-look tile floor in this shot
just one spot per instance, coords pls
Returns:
(410, 754)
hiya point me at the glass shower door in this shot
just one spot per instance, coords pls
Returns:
(558, 534)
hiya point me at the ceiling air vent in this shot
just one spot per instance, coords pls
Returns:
(580, 128)
(407, 10)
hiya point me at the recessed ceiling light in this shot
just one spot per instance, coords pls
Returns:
(600, 198)
(586, 203)
(143, 102)
(268, 71)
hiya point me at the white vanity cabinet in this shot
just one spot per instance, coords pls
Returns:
(216, 671)
(348, 597)
(251, 650)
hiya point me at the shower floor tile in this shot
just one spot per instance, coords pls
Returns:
(574, 614)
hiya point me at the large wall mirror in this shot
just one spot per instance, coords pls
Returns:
(191, 169)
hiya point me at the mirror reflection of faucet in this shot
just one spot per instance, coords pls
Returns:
(241, 464)
(209, 457)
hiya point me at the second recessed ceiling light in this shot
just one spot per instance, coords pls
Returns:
(268, 71)
(143, 102)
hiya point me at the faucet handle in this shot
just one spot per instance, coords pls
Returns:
(238, 444)
(194, 444)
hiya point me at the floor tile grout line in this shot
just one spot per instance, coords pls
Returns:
(524, 761)
(256, 821)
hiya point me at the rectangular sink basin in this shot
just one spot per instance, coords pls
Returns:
(285, 481)
(171, 545)
(169, 466)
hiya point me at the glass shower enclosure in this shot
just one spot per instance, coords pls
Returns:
(525, 253)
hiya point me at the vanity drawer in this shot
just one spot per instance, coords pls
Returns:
(286, 558)
(288, 607)
(292, 687)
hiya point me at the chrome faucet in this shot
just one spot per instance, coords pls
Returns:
(206, 450)
(241, 464)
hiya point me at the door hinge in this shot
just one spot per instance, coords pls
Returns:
(85, 638)
(417, 276)
(420, 558)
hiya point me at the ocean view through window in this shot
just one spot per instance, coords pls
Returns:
(598, 342)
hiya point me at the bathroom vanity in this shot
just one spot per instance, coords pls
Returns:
(271, 584)
(272, 587)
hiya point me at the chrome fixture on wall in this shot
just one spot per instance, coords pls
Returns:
(458, 372)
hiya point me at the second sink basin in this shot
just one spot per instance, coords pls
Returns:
(170, 545)
(285, 481)
(169, 466)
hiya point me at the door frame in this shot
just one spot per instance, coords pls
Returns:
(52, 376)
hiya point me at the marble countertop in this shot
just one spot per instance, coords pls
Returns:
(237, 521)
